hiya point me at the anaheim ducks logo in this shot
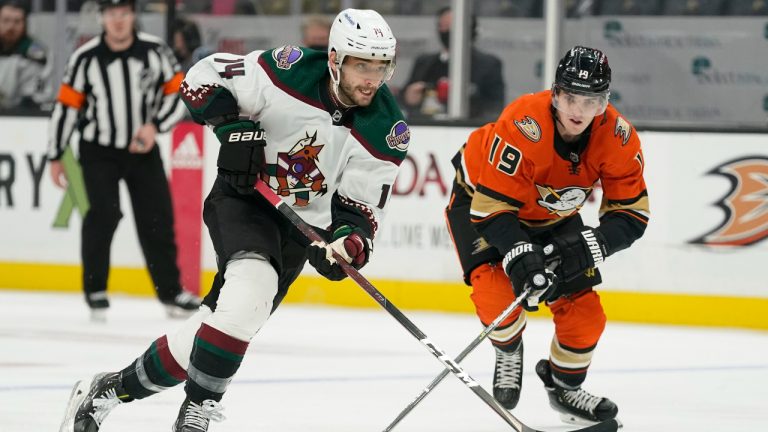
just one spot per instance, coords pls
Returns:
(745, 205)
(564, 201)
(529, 128)
(622, 129)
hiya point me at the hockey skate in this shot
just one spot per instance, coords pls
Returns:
(90, 402)
(195, 418)
(508, 376)
(99, 305)
(182, 306)
(575, 406)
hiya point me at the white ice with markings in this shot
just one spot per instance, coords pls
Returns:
(336, 370)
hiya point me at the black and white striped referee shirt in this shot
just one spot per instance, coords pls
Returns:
(108, 95)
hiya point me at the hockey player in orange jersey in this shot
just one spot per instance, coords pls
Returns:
(514, 219)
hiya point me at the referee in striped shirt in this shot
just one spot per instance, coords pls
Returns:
(119, 90)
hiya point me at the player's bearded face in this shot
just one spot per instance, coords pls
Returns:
(360, 79)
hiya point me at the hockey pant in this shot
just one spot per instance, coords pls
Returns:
(209, 347)
(579, 322)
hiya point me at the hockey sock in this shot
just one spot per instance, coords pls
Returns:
(215, 358)
(156, 370)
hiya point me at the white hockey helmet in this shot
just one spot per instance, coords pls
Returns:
(362, 33)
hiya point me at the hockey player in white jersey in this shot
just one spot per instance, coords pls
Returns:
(324, 131)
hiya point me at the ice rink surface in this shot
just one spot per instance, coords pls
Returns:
(325, 369)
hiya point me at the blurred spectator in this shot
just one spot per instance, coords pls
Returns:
(426, 91)
(218, 7)
(23, 60)
(187, 43)
(314, 32)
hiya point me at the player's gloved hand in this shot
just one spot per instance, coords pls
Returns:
(576, 252)
(350, 243)
(524, 265)
(241, 155)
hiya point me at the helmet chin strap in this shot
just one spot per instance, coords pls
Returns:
(335, 81)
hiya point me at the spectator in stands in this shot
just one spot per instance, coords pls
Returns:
(187, 43)
(314, 32)
(23, 72)
(426, 91)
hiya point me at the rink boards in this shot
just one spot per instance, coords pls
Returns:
(699, 262)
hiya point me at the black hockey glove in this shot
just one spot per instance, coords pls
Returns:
(524, 265)
(576, 252)
(349, 242)
(241, 156)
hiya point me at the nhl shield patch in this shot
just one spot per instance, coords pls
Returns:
(529, 128)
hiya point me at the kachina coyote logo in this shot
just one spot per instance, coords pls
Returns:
(745, 205)
(297, 173)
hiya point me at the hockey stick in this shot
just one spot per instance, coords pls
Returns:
(502, 316)
(449, 363)
(491, 327)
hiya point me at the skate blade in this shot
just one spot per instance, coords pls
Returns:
(79, 392)
(580, 421)
(175, 312)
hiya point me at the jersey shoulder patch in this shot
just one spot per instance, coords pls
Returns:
(615, 127)
(381, 128)
(529, 114)
(622, 129)
(295, 70)
(529, 128)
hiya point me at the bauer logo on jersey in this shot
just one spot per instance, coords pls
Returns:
(563, 202)
(745, 205)
(287, 56)
(622, 129)
(399, 136)
(529, 128)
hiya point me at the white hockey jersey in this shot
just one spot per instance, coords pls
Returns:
(308, 157)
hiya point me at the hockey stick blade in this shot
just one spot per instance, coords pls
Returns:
(267, 192)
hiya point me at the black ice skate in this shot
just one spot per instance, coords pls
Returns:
(195, 418)
(575, 406)
(508, 376)
(99, 304)
(182, 306)
(90, 402)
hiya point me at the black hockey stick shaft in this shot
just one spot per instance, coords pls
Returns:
(448, 362)
(491, 327)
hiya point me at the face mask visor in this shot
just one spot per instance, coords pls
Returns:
(375, 71)
(577, 103)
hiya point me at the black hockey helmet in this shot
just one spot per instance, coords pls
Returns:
(104, 4)
(583, 70)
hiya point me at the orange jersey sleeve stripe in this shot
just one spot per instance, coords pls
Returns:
(70, 97)
(172, 86)
(630, 213)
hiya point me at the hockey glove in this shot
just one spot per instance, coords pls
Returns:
(241, 156)
(350, 243)
(576, 252)
(524, 265)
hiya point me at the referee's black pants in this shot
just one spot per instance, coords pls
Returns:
(103, 168)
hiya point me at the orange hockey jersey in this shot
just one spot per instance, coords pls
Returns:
(513, 165)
